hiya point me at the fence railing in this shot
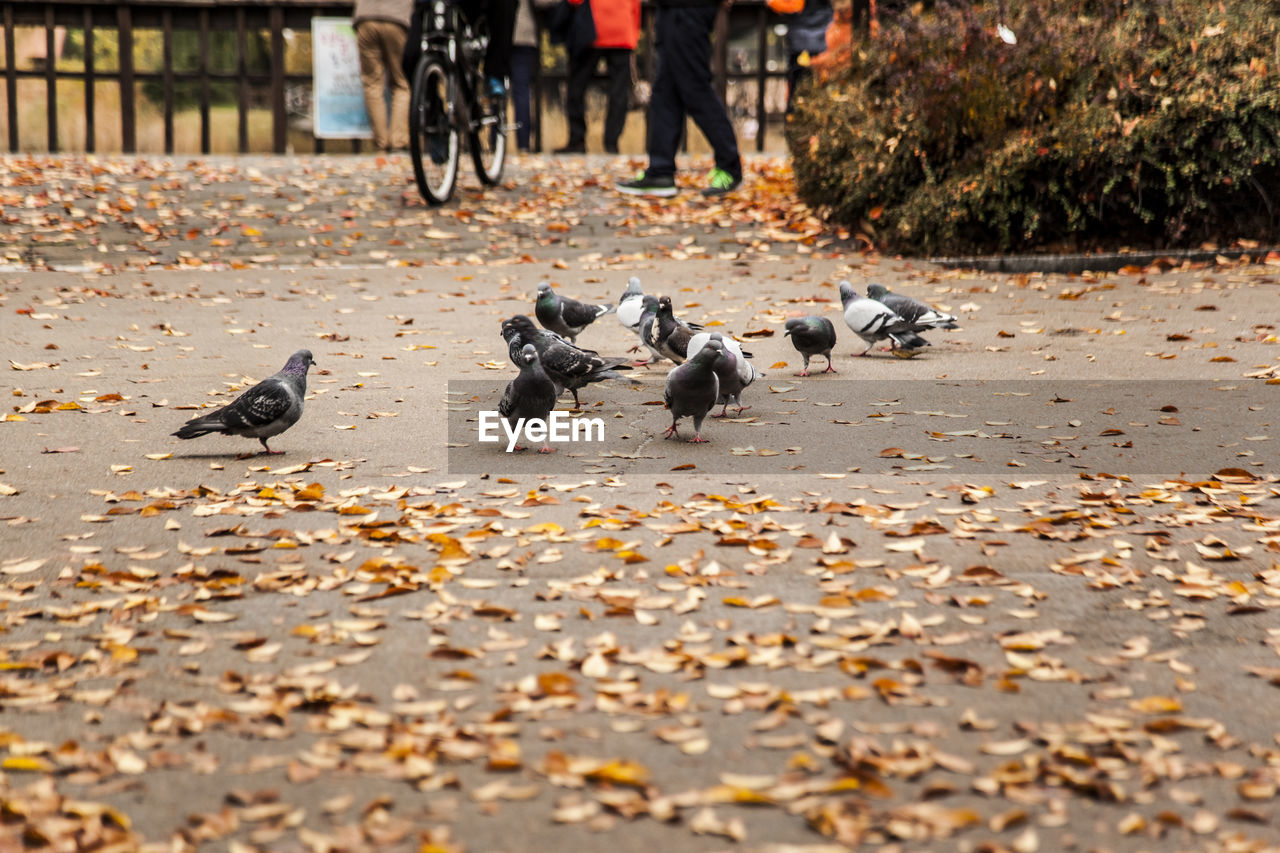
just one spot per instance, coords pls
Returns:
(111, 67)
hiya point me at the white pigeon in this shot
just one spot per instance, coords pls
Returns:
(631, 305)
(874, 321)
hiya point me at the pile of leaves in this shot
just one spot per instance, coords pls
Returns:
(1105, 124)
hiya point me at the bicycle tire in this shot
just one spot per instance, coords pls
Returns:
(433, 137)
(487, 139)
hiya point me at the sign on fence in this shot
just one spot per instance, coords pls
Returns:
(338, 99)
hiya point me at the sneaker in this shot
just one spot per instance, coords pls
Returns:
(720, 182)
(642, 185)
(496, 87)
(438, 149)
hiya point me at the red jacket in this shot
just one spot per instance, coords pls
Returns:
(617, 22)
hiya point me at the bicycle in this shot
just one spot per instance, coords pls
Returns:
(448, 105)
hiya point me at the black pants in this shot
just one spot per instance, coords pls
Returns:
(501, 16)
(582, 67)
(523, 60)
(796, 75)
(683, 88)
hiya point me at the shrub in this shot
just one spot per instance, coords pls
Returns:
(1108, 123)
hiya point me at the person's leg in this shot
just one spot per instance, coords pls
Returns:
(618, 61)
(582, 67)
(700, 100)
(502, 21)
(666, 110)
(368, 43)
(392, 49)
(523, 58)
(412, 43)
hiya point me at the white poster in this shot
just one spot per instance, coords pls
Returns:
(337, 101)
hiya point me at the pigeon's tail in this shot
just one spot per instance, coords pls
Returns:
(908, 340)
(197, 427)
(613, 363)
(949, 324)
(606, 309)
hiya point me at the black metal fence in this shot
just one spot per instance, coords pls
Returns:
(251, 69)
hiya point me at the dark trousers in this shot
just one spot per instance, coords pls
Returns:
(582, 67)
(501, 17)
(796, 75)
(524, 58)
(683, 88)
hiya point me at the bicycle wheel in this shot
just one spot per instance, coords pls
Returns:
(433, 139)
(488, 138)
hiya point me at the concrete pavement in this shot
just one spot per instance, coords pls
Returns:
(935, 603)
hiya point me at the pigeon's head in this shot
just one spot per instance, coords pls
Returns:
(300, 362)
(875, 291)
(633, 287)
(711, 352)
(846, 293)
(649, 302)
(528, 356)
(664, 305)
(518, 325)
(544, 291)
(792, 325)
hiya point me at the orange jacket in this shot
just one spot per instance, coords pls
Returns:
(617, 22)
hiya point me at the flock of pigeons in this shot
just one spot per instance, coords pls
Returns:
(711, 369)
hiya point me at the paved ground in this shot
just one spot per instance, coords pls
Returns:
(1013, 594)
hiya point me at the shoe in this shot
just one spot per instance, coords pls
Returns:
(438, 149)
(496, 87)
(572, 148)
(642, 185)
(720, 182)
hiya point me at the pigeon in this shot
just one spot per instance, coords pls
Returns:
(564, 316)
(667, 334)
(873, 321)
(530, 396)
(912, 310)
(734, 371)
(645, 327)
(515, 351)
(265, 410)
(693, 389)
(812, 335)
(631, 305)
(568, 365)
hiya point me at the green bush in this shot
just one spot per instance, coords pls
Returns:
(1109, 123)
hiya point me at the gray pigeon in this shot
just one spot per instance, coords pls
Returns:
(812, 335)
(645, 327)
(530, 396)
(873, 321)
(568, 365)
(564, 316)
(667, 334)
(911, 310)
(734, 371)
(265, 410)
(693, 388)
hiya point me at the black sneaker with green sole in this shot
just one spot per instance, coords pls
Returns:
(643, 185)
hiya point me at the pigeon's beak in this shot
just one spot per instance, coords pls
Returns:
(787, 332)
